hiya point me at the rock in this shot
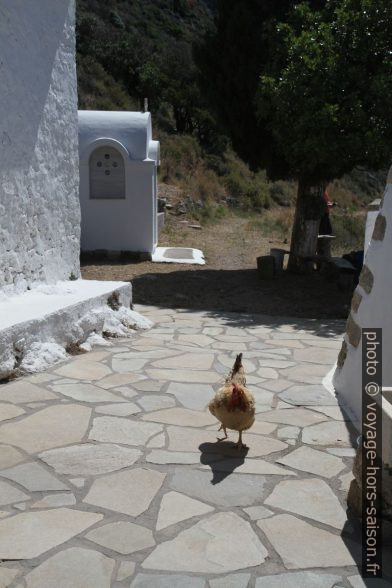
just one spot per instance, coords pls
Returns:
(166, 581)
(34, 477)
(123, 409)
(299, 417)
(161, 456)
(176, 507)
(9, 456)
(7, 575)
(85, 392)
(366, 279)
(28, 535)
(308, 395)
(21, 391)
(296, 579)
(353, 331)
(10, 494)
(193, 396)
(316, 462)
(231, 581)
(88, 459)
(55, 500)
(152, 402)
(204, 547)
(122, 537)
(310, 498)
(183, 375)
(183, 416)
(332, 433)
(75, 567)
(316, 549)
(125, 570)
(9, 411)
(255, 513)
(119, 430)
(128, 492)
(62, 425)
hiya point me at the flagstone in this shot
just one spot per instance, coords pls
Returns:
(308, 395)
(84, 370)
(9, 494)
(86, 392)
(255, 513)
(275, 363)
(293, 343)
(249, 466)
(316, 462)
(176, 507)
(148, 385)
(62, 424)
(316, 355)
(262, 428)
(115, 380)
(128, 492)
(228, 362)
(124, 366)
(226, 346)
(154, 402)
(310, 498)
(28, 535)
(8, 575)
(299, 417)
(123, 537)
(74, 567)
(122, 430)
(78, 482)
(162, 456)
(157, 441)
(22, 391)
(40, 378)
(194, 361)
(231, 581)
(311, 373)
(200, 340)
(334, 412)
(123, 409)
(183, 375)
(269, 373)
(298, 579)
(277, 385)
(9, 456)
(183, 416)
(34, 477)
(331, 433)
(243, 338)
(194, 396)
(342, 451)
(358, 582)
(9, 411)
(288, 432)
(89, 459)
(167, 581)
(345, 481)
(317, 548)
(55, 500)
(262, 397)
(204, 547)
(233, 490)
(125, 570)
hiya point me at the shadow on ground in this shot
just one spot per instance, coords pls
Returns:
(223, 457)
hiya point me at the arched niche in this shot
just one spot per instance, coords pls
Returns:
(106, 173)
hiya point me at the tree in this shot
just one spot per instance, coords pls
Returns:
(322, 100)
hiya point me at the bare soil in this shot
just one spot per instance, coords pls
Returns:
(229, 281)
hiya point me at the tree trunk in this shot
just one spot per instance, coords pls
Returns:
(308, 211)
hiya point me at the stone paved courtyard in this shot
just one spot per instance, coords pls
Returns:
(111, 473)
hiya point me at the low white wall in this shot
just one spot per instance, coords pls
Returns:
(371, 307)
(39, 204)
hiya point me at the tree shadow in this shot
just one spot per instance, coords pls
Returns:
(223, 457)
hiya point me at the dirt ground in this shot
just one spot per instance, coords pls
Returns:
(229, 281)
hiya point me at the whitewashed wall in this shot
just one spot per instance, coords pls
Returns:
(39, 204)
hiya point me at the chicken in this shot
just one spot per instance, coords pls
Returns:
(233, 404)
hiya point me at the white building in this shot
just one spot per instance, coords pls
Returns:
(118, 182)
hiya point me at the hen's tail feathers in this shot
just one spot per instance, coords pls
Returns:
(237, 364)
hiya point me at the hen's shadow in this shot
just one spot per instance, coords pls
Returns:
(223, 457)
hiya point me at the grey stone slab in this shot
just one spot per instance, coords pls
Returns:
(288, 432)
(89, 459)
(9, 411)
(316, 549)
(231, 581)
(342, 451)
(125, 570)
(157, 442)
(74, 567)
(308, 396)
(84, 370)
(193, 361)
(10, 456)
(310, 373)
(255, 513)
(183, 375)
(233, 490)
(9, 494)
(332, 433)
(182, 416)
(28, 535)
(121, 430)
(152, 402)
(166, 581)
(249, 466)
(298, 580)
(55, 500)
(22, 391)
(333, 412)
(124, 366)
(148, 385)
(115, 380)
(86, 392)
(316, 355)
(62, 425)
(310, 498)
(316, 462)
(193, 396)
(176, 507)
(298, 417)
(358, 582)
(128, 492)
(123, 409)
(122, 537)
(162, 456)
(8, 575)
(34, 477)
(204, 547)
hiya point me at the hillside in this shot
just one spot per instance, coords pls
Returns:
(134, 49)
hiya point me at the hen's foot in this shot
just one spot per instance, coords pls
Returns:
(225, 432)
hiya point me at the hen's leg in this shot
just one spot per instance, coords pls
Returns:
(240, 445)
(225, 432)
